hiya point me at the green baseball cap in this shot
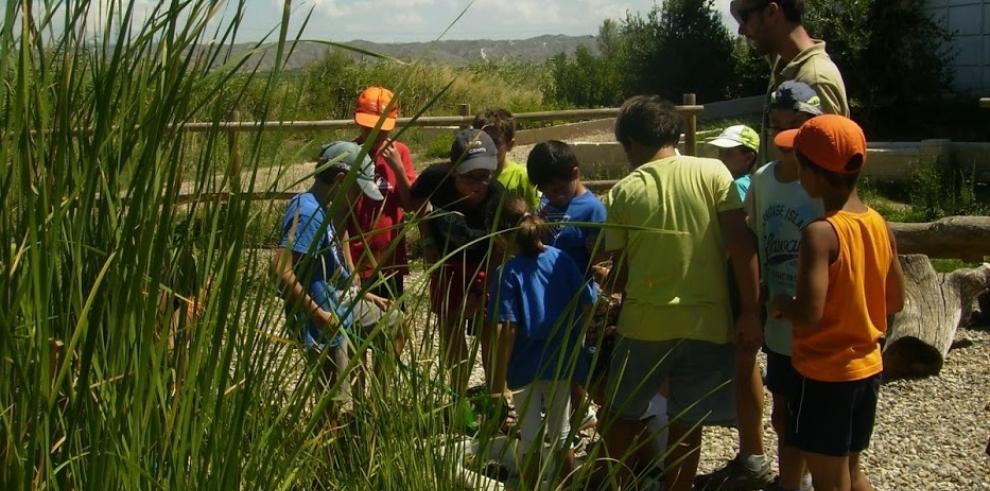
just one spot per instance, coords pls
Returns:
(737, 136)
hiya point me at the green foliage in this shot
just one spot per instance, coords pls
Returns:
(891, 53)
(752, 72)
(940, 189)
(678, 47)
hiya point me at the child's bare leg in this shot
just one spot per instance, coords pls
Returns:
(859, 481)
(789, 458)
(455, 352)
(619, 435)
(749, 402)
(682, 457)
(828, 473)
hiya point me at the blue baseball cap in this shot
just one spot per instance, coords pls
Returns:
(796, 96)
(472, 150)
(343, 155)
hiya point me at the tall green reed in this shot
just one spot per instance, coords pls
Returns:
(144, 344)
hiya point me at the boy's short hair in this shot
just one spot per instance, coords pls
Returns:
(498, 123)
(549, 161)
(648, 120)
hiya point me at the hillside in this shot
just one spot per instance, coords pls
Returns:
(453, 52)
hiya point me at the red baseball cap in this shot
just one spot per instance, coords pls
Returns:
(371, 104)
(785, 140)
(833, 143)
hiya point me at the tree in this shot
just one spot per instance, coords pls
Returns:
(681, 46)
(891, 53)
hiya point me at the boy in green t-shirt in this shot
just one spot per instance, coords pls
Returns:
(501, 126)
(670, 224)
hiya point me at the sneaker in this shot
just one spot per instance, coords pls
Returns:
(735, 476)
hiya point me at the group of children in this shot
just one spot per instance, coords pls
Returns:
(513, 254)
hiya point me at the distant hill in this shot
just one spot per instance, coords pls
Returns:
(454, 52)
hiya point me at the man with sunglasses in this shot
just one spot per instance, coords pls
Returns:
(774, 29)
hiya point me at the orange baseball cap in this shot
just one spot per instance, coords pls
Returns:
(371, 104)
(785, 140)
(833, 143)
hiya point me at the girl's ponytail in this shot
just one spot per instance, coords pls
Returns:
(531, 230)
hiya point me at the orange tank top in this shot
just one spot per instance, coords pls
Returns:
(845, 345)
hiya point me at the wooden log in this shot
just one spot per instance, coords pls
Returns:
(935, 304)
(966, 237)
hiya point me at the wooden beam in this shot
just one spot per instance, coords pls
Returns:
(963, 237)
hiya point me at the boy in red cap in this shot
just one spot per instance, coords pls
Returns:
(376, 225)
(849, 280)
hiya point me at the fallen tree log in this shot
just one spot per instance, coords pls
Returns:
(935, 304)
(963, 237)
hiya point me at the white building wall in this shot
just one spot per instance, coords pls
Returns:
(969, 21)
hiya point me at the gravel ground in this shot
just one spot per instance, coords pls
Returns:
(930, 434)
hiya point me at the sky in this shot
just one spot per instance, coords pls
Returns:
(391, 21)
(425, 20)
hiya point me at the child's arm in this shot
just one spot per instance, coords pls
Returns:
(505, 340)
(895, 279)
(402, 171)
(741, 247)
(293, 291)
(819, 245)
(431, 252)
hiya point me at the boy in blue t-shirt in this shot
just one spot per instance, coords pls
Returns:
(566, 202)
(539, 299)
(554, 169)
(320, 298)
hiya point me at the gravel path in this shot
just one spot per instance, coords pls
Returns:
(930, 434)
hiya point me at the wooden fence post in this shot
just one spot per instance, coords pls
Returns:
(464, 110)
(234, 170)
(690, 127)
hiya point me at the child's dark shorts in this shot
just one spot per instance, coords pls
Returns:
(833, 418)
(782, 379)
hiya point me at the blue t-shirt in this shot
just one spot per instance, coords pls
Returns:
(742, 186)
(321, 269)
(543, 296)
(573, 239)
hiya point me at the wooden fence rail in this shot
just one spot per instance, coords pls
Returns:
(689, 111)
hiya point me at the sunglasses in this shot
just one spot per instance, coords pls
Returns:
(742, 15)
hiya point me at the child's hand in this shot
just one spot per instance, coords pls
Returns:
(599, 273)
(776, 308)
(749, 330)
(392, 157)
(380, 302)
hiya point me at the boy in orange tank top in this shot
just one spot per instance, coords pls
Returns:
(849, 280)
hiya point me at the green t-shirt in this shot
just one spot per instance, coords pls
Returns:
(677, 270)
(515, 180)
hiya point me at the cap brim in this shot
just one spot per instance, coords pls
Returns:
(370, 189)
(785, 139)
(484, 162)
(369, 120)
(725, 143)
